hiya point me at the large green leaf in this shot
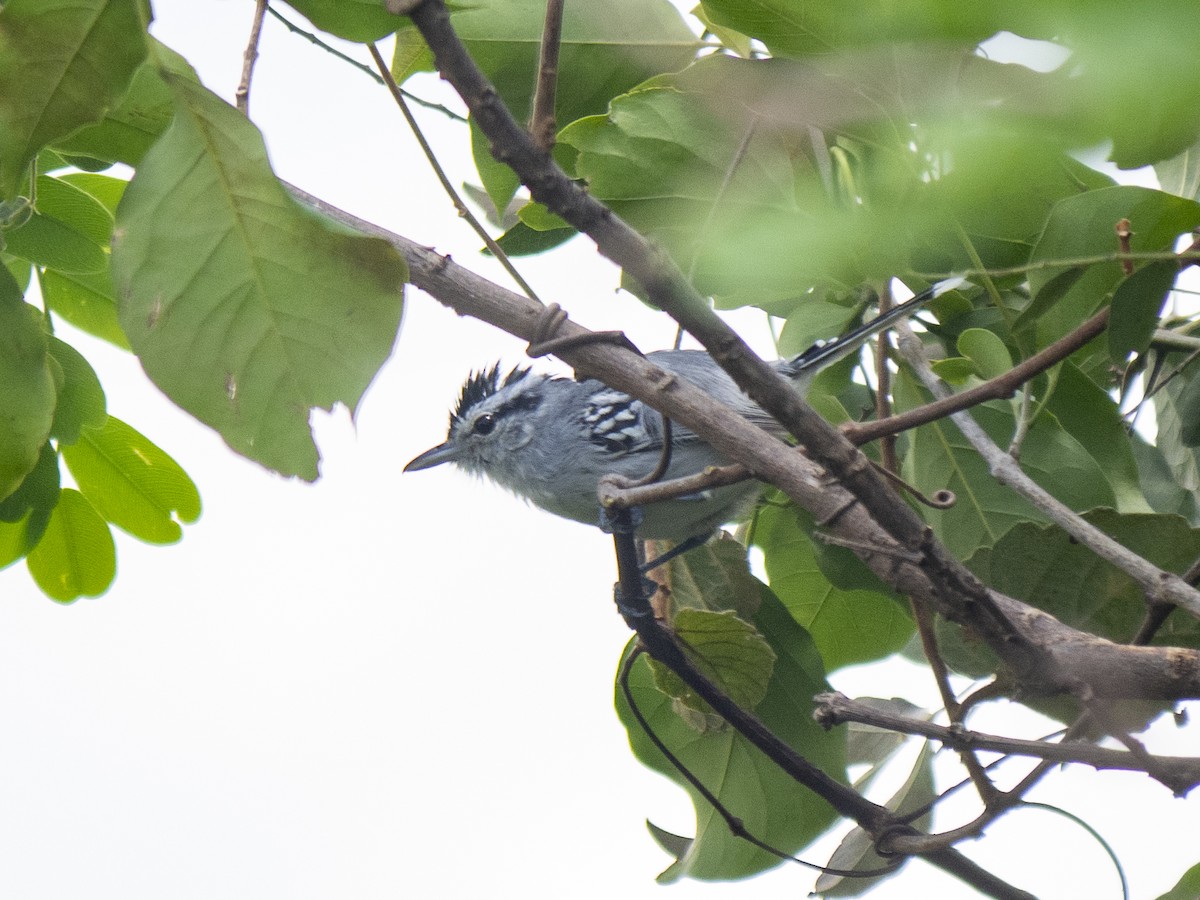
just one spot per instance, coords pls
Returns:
(1187, 888)
(848, 626)
(771, 804)
(1136, 305)
(1045, 567)
(63, 64)
(132, 483)
(245, 309)
(939, 457)
(76, 556)
(27, 387)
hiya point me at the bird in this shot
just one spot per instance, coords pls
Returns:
(550, 439)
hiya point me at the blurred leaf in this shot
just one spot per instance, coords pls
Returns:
(856, 851)
(726, 649)
(132, 483)
(814, 319)
(86, 301)
(130, 128)
(75, 557)
(27, 387)
(245, 309)
(63, 63)
(361, 21)
(81, 398)
(847, 626)
(770, 803)
(606, 49)
(1136, 306)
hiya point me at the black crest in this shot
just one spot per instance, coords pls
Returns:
(481, 385)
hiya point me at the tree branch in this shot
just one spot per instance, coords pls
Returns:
(1178, 773)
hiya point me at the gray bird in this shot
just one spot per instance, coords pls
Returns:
(550, 439)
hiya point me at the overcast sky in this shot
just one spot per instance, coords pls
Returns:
(336, 690)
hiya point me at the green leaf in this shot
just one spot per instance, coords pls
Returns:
(81, 399)
(521, 240)
(106, 189)
(1175, 426)
(63, 63)
(1136, 306)
(1162, 491)
(986, 351)
(1092, 417)
(1187, 888)
(129, 129)
(244, 308)
(606, 49)
(713, 577)
(361, 21)
(1187, 402)
(857, 849)
(847, 626)
(872, 745)
(1180, 175)
(51, 242)
(939, 457)
(86, 301)
(813, 320)
(75, 557)
(27, 387)
(73, 206)
(27, 509)
(132, 483)
(726, 649)
(770, 803)
(1084, 226)
(1045, 567)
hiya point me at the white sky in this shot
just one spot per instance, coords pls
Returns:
(333, 690)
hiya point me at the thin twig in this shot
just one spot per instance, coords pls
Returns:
(386, 74)
(543, 124)
(249, 58)
(362, 67)
(998, 388)
(1179, 773)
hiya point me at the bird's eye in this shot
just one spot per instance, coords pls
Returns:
(485, 423)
